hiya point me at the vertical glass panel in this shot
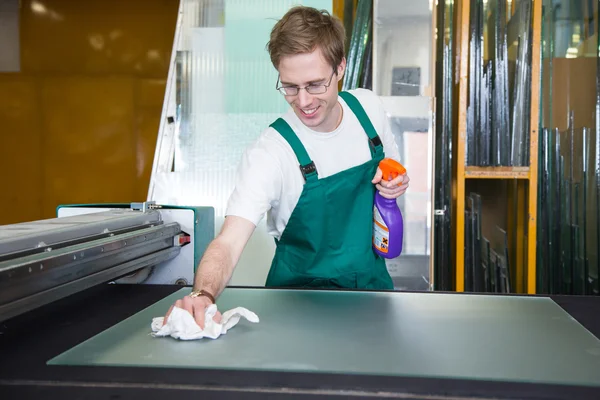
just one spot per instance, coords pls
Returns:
(499, 244)
(499, 85)
(570, 105)
(468, 250)
(402, 47)
(442, 186)
(477, 242)
(487, 265)
(221, 96)
(520, 90)
(360, 48)
(402, 68)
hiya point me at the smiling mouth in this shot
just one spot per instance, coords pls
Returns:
(309, 111)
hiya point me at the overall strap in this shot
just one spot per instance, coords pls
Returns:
(307, 166)
(358, 110)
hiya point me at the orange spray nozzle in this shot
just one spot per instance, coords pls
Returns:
(391, 168)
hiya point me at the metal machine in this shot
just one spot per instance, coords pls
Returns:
(86, 245)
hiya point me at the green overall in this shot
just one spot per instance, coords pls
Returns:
(327, 240)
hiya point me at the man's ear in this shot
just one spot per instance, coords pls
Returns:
(341, 69)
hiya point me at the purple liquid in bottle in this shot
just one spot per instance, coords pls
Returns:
(388, 227)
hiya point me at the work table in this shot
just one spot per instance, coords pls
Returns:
(308, 344)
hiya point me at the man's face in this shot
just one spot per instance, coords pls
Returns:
(319, 112)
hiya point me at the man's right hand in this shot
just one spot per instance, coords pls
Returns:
(216, 266)
(196, 306)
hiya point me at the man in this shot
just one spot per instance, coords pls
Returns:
(313, 172)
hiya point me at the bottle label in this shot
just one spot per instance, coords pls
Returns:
(381, 233)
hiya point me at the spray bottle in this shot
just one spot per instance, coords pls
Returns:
(388, 225)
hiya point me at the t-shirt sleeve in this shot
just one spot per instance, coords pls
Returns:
(257, 184)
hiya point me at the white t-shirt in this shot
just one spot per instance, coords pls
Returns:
(269, 180)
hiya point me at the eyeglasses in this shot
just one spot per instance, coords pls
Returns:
(312, 89)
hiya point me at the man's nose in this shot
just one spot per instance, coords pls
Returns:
(304, 98)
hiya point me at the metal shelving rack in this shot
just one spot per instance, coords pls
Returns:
(527, 174)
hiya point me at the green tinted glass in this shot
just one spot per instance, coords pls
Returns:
(402, 334)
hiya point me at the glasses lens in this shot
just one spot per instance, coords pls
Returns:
(289, 91)
(316, 89)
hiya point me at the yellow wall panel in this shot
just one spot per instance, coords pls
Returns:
(98, 36)
(88, 139)
(20, 150)
(150, 93)
(80, 120)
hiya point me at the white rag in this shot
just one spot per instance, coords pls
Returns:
(181, 324)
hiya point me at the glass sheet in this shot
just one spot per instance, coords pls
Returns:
(443, 147)
(402, 47)
(567, 206)
(224, 98)
(500, 109)
(478, 267)
(485, 258)
(468, 250)
(359, 46)
(568, 223)
(499, 243)
(487, 265)
(402, 72)
(594, 215)
(403, 334)
(499, 91)
(521, 93)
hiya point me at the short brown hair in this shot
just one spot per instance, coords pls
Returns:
(302, 29)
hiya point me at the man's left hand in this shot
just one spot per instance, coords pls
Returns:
(390, 189)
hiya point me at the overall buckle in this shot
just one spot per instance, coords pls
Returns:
(376, 141)
(308, 169)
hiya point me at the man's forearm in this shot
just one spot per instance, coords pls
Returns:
(215, 269)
